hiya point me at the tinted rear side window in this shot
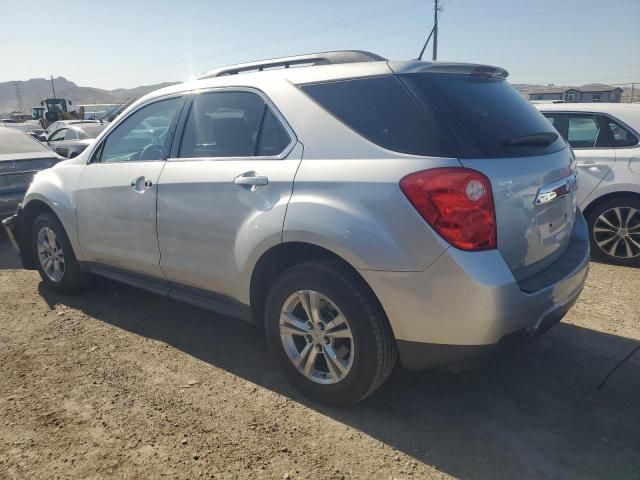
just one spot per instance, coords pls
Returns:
(484, 114)
(381, 110)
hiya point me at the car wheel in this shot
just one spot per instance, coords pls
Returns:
(329, 333)
(54, 255)
(614, 228)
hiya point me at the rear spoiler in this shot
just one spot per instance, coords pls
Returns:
(418, 66)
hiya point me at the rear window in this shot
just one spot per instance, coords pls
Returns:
(381, 110)
(482, 115)
(92, 131)
(14, 141)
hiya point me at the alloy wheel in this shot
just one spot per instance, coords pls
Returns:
(617, 232)
(316, 337)
(50, 254)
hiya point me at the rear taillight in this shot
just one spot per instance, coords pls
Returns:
(457, 203)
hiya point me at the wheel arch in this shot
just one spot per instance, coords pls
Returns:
(606, 197)
(29, 213)
(280, 258)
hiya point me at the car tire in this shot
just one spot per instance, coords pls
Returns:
(614, 231)
(54, 256)
(343, 370)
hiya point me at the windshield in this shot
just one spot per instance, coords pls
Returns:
(485, 116)
(57, 105)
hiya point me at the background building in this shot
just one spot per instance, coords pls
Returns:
(585, 94)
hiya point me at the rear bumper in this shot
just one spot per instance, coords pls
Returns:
(468, 304)
(422, 356)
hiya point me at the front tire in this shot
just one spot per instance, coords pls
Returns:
(614, 231)
(54, 255)
(328, 333)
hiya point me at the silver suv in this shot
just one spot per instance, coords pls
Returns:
(357, 208)
(606, 140)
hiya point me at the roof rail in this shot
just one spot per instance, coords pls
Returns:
(321, 58)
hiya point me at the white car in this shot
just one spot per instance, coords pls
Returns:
(606, 140)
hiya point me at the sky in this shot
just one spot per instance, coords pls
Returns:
(115, 43)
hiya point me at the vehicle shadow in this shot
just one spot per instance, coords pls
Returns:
(534, 414)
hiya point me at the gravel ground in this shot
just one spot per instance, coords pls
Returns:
(119, 383)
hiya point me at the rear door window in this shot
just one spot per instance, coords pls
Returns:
(582, 131)
(58, 135)
(231, 124)
(273, 137)
(381, 110)
(70, 134)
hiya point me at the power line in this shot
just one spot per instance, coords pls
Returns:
(283, 39)
(525, 14)
(544, 12)
(359, 19)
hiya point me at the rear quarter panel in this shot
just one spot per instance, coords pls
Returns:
(355, 208)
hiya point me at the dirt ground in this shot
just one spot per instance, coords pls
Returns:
(119, 383)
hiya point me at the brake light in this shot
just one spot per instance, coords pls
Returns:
(457, 203)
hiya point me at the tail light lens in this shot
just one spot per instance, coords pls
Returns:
(457, 203)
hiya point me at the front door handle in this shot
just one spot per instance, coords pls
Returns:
(140, 184)
(251, 180)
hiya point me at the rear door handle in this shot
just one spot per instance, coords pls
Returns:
(251, 179)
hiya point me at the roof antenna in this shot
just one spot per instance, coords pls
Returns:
(437, 9)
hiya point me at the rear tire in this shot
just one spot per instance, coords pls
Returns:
(54, 257)
(614, 231)
(354, 347)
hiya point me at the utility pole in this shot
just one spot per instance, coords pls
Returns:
(631, 95)
(435, 30)
(18, 96)
(53, 88)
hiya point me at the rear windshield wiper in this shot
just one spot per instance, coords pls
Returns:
(542, 139)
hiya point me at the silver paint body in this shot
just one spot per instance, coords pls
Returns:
(605, 171)
(331, 188)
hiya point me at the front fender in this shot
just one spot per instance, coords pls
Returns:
(54, 187)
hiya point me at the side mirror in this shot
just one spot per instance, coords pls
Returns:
(70, 102)
(42, 138)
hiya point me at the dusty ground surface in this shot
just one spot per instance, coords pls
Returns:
(118, 383)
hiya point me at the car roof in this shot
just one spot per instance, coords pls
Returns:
(357, 64)
(629, 113)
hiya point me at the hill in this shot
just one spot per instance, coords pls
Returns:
(34, 90)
